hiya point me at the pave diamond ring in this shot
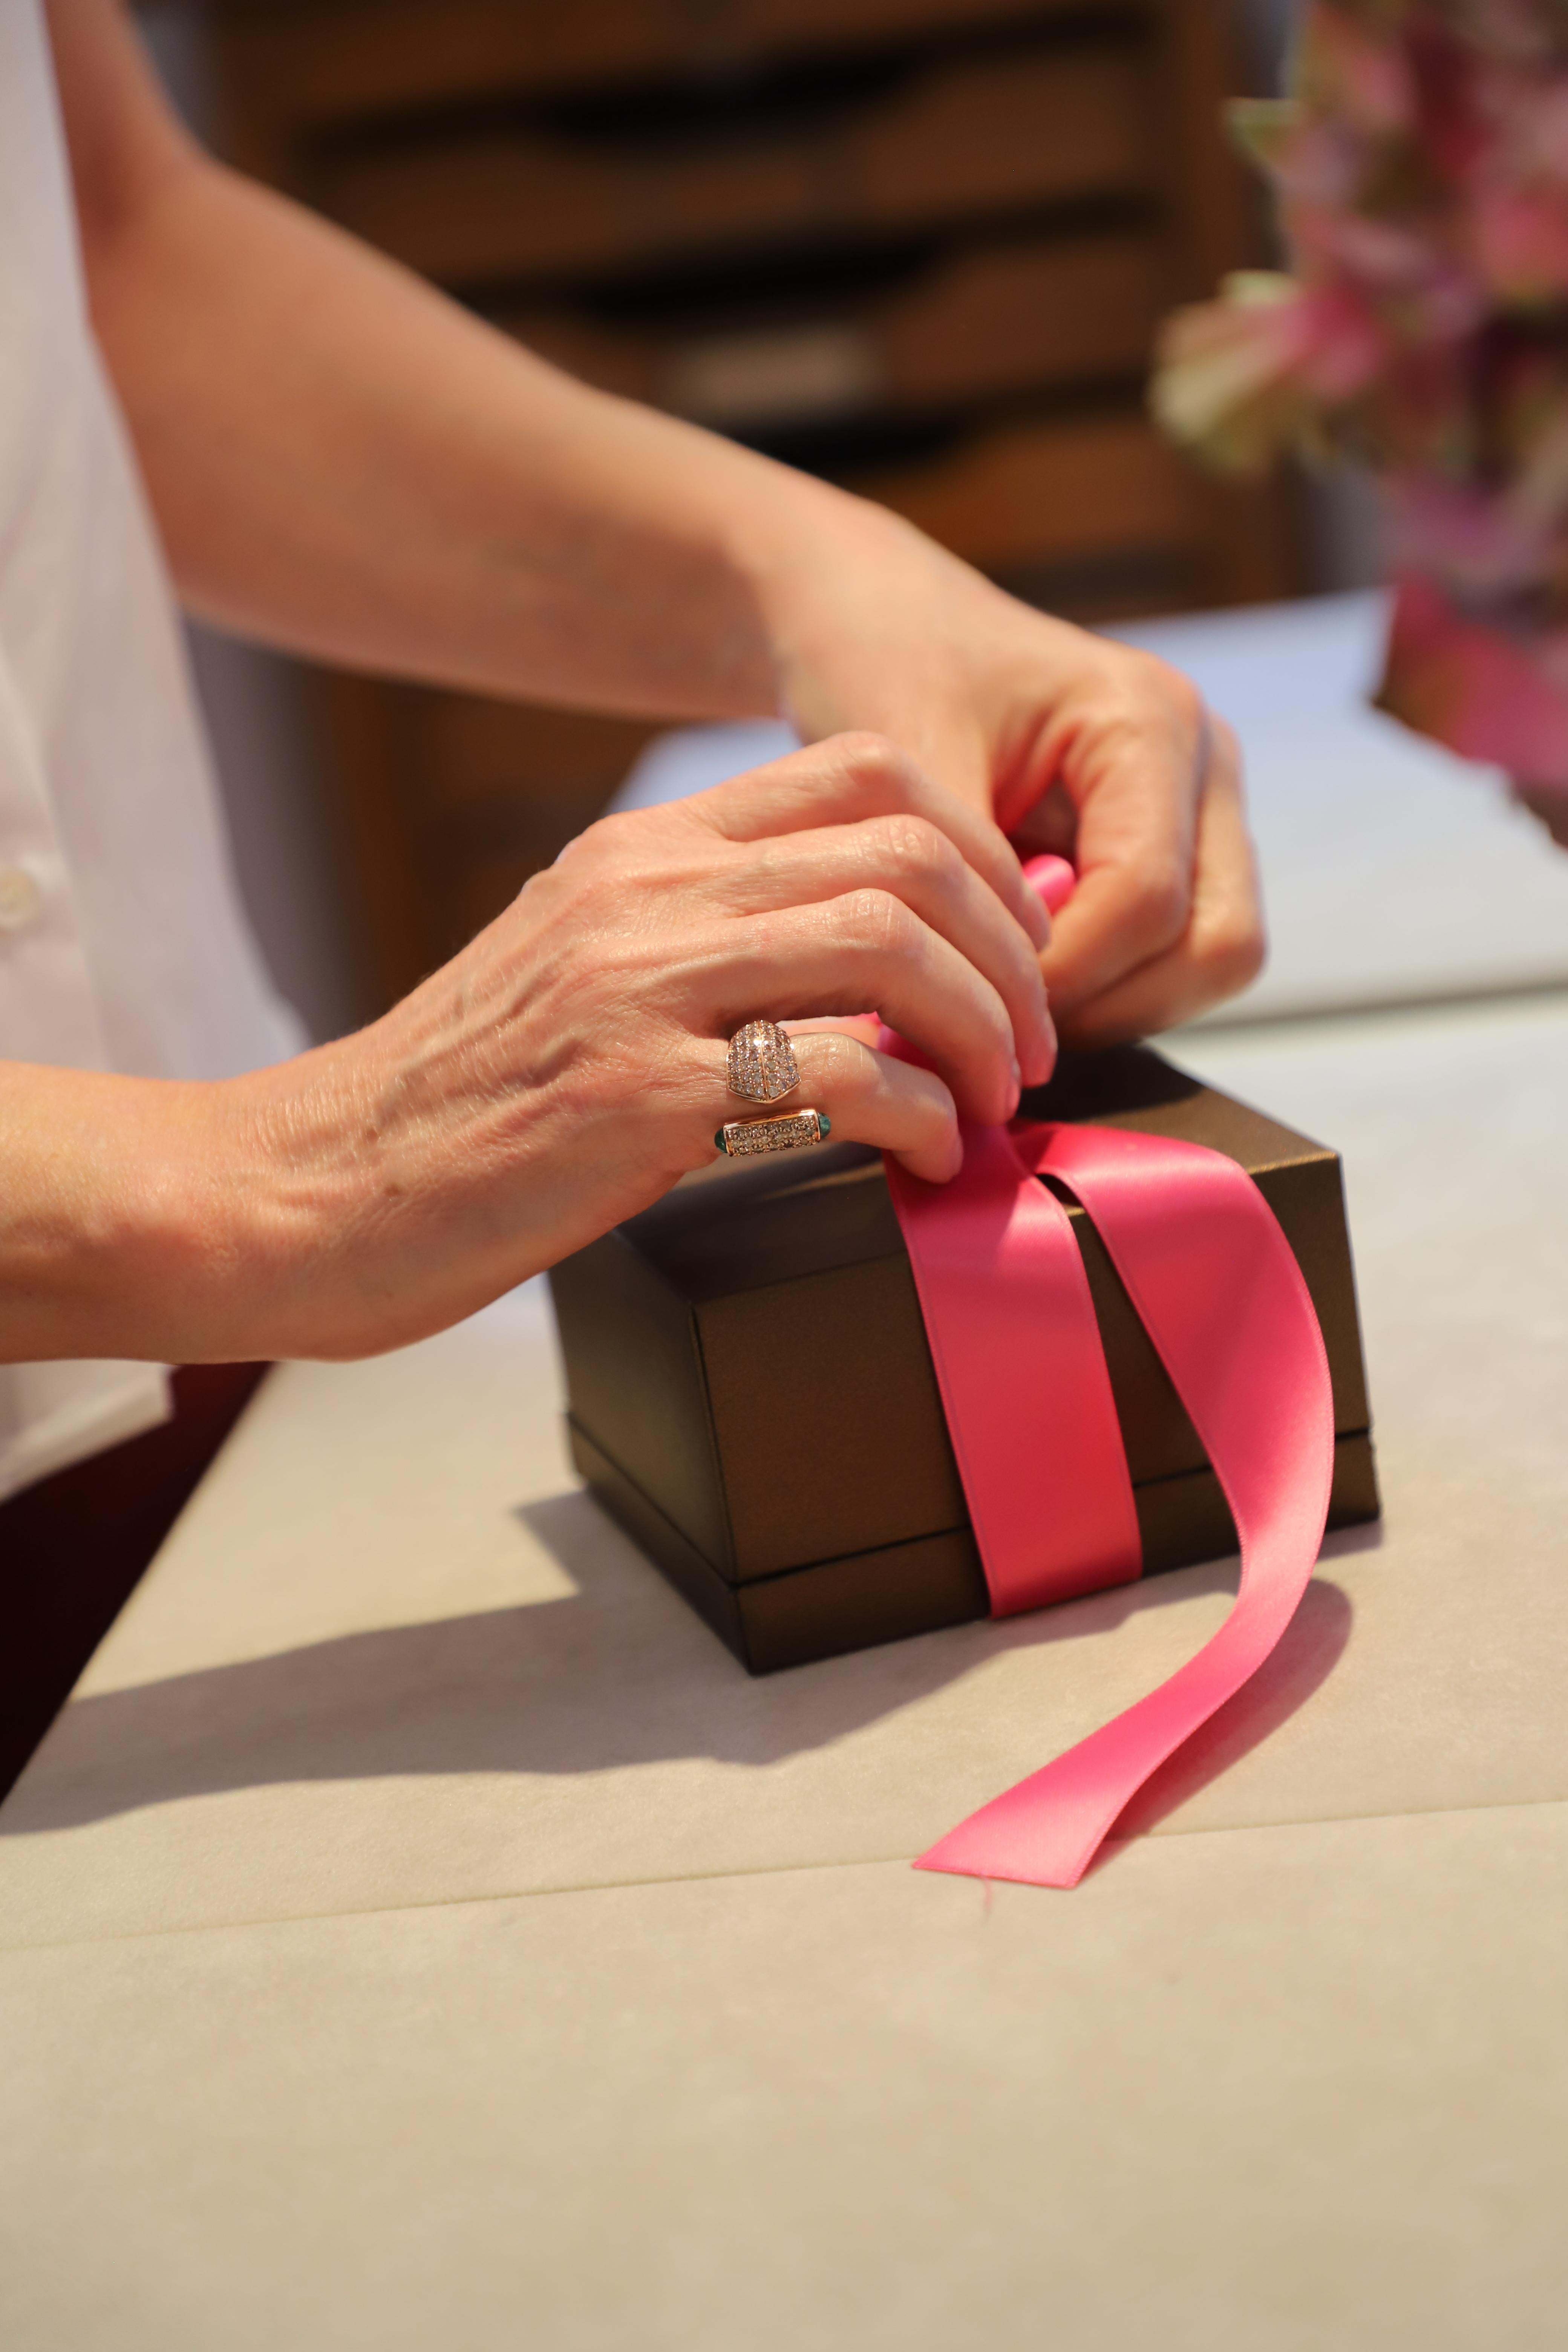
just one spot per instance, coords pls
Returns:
(743, 1139)
(761, 1064)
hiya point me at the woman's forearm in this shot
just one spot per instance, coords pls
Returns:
(343, 462)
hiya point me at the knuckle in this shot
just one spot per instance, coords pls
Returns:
(1163, 902)
(541, 888)
(608, 837)
(918, 850)
(881, 921)
(594, 866)
(1235, 952)
(872, 760)
(1169, 688)
(847, 1070)
(1157, 702)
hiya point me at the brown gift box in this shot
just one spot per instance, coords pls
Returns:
(751, 1398)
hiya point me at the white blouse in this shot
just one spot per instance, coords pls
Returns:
(122, 945)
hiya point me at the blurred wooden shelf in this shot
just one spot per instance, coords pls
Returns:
(302, 67)
(921, 247)
(951, 138)
(1047, 494)
(966, 326)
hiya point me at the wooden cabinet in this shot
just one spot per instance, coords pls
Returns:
(931, 147)
(920, 247)
(1018, 315)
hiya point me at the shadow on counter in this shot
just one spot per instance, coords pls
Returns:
(614, 1674)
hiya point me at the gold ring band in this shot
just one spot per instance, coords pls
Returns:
(761, 1065)
(743, 1138)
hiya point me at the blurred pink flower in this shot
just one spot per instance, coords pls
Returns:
(1450, 531)
(1237, 375)
(1486, 695)
(1357, 71)
(1521, 242)
(1420, 170)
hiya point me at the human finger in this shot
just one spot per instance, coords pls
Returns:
(1136, 782)
(845, 778)
(867, 1097)
(1224, 944)
(861, 954)
(1052, 877)
(915, 862)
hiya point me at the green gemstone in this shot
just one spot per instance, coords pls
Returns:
(824, 1123)
(718, 1139)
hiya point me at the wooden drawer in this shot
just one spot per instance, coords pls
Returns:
(945, 142)
(1026, 316)
(313, 68)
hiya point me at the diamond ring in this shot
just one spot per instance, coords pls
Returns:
(762, 1066)
(797, 1130)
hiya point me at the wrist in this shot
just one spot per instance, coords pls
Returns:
(872, 625)
(807, 552)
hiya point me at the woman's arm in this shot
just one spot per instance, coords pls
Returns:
(345, 463)
(556, 1077)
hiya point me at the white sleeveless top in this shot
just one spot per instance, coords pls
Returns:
(122, 946)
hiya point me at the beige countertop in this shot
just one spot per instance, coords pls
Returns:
(419, 1931)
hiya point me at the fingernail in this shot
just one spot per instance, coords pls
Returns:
(1017, 1089)
(1052, 880)
(1043, 1059)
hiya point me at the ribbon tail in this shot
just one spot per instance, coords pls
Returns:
(1048, 1828)
(1221, 1296)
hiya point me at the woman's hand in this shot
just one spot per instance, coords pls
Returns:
(557, 1076)
(1074, 742)
(569, 1066)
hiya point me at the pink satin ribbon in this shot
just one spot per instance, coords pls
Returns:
(1028, 1403)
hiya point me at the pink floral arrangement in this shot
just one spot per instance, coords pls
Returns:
(1420, 167)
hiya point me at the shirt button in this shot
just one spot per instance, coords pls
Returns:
(19, 898)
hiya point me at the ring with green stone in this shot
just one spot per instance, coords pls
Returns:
(744, 1139)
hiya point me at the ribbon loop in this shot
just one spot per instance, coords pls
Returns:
(1023, 1377)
